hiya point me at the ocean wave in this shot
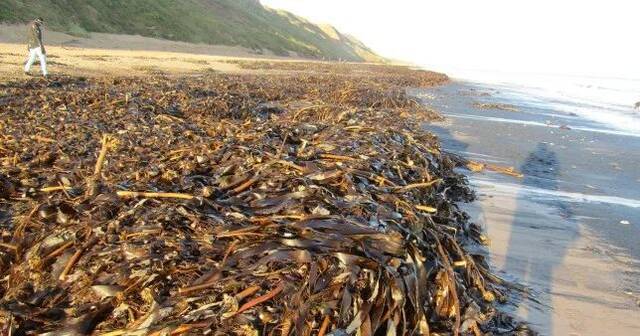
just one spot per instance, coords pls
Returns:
(546, 194)
(607, 101)
(541, 124)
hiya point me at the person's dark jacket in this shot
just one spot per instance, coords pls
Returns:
(35, 36)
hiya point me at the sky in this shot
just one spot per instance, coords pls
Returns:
(587, 38)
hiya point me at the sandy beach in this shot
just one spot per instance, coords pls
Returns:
(566, 230)
(122, 55)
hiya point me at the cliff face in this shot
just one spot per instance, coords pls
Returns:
(245, 23)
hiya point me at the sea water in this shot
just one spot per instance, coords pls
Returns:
(576, 138)
(606, 101)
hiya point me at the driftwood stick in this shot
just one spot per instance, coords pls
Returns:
(93, 185)
(76, 256)
(246, 185)
(58, 188)
(70, 264)
(106, 143)
(419, 185)
(134, 194)
(188, 290)
(261, 299)
(337, 157)
(247, 292)
(57, 251)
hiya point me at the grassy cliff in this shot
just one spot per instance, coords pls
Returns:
(229, 22)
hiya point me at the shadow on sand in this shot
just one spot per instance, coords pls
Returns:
(535, 248)
(534, 265)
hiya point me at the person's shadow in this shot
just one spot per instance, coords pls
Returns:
(527, 262)
(532, 262)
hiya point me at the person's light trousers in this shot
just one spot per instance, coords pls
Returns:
(33, 53)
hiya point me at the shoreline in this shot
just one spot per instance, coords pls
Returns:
(558, 229)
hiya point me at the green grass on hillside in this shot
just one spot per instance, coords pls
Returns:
(229, 22)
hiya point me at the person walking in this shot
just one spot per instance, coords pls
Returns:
(36, 47)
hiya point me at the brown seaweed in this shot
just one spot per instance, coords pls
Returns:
(283, 204)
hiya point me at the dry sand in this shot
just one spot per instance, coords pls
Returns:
(96, 62)
(119, 55)
(16, 34)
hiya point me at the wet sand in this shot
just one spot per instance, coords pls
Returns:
(558, 230)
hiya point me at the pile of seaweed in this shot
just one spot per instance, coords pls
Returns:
(400, 76)
(234, 205)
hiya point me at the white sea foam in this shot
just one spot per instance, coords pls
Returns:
(546, 194)
(608, 101)
(536, 123)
